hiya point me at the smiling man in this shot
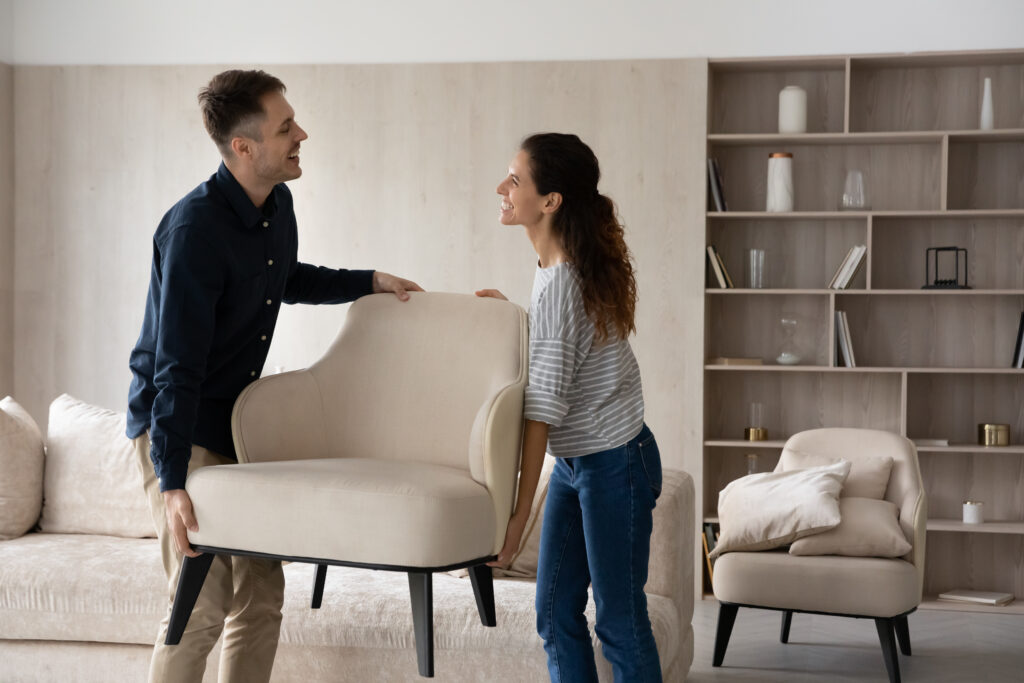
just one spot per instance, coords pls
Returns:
(225, 258)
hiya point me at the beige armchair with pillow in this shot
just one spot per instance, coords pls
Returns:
(852, 504)
(397, 450)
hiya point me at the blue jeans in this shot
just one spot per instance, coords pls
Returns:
(597, 530)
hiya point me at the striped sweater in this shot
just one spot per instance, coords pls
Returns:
(589, 393)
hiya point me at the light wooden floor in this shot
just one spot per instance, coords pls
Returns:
(947, 646)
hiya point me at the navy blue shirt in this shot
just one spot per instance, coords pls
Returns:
(221, 269)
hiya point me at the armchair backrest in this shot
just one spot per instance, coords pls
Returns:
(437, 379)
(905, 489)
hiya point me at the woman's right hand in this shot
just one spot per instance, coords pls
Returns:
(493, 293)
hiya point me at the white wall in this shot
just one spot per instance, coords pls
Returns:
(7, 31)
(397, 31)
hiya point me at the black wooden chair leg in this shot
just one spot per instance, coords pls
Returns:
(902, 634)
(726, 618)
(787, 620)
(421, 590)
(483, 590)
(886, 634)
(190, 582)
(318, 586)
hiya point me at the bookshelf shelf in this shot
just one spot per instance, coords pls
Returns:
(933, 362)
(932, 602)
(996, 527)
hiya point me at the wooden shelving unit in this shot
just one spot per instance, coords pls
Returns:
(930, 363)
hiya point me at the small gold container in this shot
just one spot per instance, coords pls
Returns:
(993, 435)
(755, 433)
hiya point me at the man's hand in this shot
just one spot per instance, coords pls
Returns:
(179, 518)
(513, 537)
(492, 293)
(385, 282)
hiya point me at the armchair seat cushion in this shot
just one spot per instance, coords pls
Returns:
(861, 586)
(359, 510)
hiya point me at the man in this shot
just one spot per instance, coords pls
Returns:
(224, 259)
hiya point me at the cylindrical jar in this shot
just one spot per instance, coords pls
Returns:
(780, 182)
(792, 109)
(974, 512)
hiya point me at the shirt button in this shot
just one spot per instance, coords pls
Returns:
(269, 302)
(252, 373)
(263, 337)
(270, 262)
(266, 224)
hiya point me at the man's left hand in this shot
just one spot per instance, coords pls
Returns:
(385, 282)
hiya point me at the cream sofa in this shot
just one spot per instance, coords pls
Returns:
(82, 589)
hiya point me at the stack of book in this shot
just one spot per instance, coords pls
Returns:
(979, 597)
(715, 188)
(849, 268)
(710, 538)
(843, 340)
(717, 266)
(1018, 350)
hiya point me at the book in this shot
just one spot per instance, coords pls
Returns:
(930, 442)
(849, 339)
(844, 341)
(1018, 349)
(979, 597)
(842, 265)
(721, 185)
(715, 184)
(850, 267)
(716, 267)
(726, 360)
(707, 558)
(721, 263)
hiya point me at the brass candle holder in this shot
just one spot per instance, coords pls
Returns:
(993, 434)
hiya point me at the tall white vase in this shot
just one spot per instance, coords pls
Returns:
(780, 183)
(987, 117)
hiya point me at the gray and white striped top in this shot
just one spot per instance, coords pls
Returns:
(589, 393)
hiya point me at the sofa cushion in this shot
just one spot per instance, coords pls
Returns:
(869, 474)
(374, 511)
(869, 528)
(21, 470)
(118, 595)
(868, 586)
(92, 483)
(771, 509)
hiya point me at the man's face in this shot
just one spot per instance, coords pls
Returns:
(276, 158)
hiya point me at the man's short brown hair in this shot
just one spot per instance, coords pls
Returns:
(231, 104)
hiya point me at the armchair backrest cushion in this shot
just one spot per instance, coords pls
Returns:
(905, 488)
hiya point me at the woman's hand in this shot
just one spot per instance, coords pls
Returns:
(513, 537)
(493, 293)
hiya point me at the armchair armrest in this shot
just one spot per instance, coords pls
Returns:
(280, 417)
(672, 543)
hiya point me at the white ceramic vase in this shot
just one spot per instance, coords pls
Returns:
(780, 183)
(792, 109)
(987, 117)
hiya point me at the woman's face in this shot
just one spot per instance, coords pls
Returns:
(520, 203)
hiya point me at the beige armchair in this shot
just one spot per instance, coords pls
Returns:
(398, 450)
(883, 589)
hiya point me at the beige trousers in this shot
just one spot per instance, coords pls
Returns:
(241, 596)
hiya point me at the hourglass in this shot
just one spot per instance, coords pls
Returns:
(789, 354)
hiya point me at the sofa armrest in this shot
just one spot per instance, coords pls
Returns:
(280, 417)
(672, 543)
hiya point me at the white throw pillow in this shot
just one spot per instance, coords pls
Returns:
(869, 474)
(869, 528)
(93, 484)
(768, 510)
(21, 470)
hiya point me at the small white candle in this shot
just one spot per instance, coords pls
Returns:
(974, 512)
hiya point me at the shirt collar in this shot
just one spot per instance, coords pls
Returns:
(252, 217)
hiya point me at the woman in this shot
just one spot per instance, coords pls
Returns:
(584, 403)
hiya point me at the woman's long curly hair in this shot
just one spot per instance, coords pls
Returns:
(588, 228)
